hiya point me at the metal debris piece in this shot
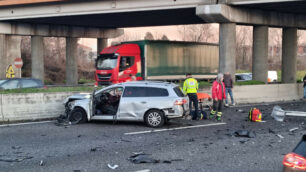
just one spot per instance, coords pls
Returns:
(113, 167)
(17, 159)
(142, 158)
(243, 141)
(279, 114)
(99, 148)
(240, 110)
(191, 140)
(146, 170)
(280, 136)
(272, 131)
(293, 129)
(244, 133)
(138, 153)
(145, 158)
(42, 163)
(16, 147)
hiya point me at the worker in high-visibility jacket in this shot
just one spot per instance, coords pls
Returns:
(190, 88)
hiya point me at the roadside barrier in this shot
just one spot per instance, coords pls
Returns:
(39, 106)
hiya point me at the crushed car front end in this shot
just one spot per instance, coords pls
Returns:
(78, 100)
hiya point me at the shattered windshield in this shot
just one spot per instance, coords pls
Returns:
(107, 61)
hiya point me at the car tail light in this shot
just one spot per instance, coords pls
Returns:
(180, 102)
(295, 161)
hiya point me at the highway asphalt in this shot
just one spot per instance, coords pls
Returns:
(181, 145)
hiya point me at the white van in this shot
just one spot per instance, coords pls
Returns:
(272, 76)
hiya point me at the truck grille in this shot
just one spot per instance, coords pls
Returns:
(104, 76)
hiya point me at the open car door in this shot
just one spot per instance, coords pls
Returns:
(92, 105)
(105, 104)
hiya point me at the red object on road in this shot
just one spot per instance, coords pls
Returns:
(18, 62)
(295, 161)
(203, 96)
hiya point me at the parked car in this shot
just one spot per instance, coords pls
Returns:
(15, 83)
(296, 160)
(148, 101)
(272, 76)
(243, 77)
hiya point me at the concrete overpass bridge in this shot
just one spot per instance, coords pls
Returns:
(101, 18)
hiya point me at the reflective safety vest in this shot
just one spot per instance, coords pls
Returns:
(190, 86)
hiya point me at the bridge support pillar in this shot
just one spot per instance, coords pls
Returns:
(289, 55)
(101, 44)
(9, 50)
(227, 48)
(37, 57)
(260, 53)
(71, 61)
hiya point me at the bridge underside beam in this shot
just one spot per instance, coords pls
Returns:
(57, 30)
(221, 13)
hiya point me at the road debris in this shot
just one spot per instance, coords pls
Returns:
(17, 159)
(96, 149)
(240, 110)
(243, 141)
(113, 167)
(145, 158)
(244, 133)
(272, 131)
(146, 170)
(280, 136)
(41, 163)
(191, 140)
(142, 158)
(138, 153)
(293, 129)
(62, 121)
(124, 140)
(279, 114)
(16, 147)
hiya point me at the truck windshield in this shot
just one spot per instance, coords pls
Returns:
(107, 61)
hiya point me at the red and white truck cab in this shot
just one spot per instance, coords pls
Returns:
(119, 63)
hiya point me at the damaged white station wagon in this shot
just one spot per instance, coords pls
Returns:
(148, 101)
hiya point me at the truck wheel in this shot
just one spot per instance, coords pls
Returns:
(77, 116)
(154, 118)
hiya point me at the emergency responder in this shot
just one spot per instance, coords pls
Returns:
(191, 88)
(218, 96)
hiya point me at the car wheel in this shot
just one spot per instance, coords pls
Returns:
(77, 116)
(154, 118)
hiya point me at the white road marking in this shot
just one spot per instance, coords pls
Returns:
(26, 123)
(146, 170)
(171, 129)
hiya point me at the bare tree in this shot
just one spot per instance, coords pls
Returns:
(275, 48)
(164, 37)
(243, 47)
(149, 36)
(26, 56)
(127, 36)
(196, 33)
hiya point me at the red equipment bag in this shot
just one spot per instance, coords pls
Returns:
(255, 115)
